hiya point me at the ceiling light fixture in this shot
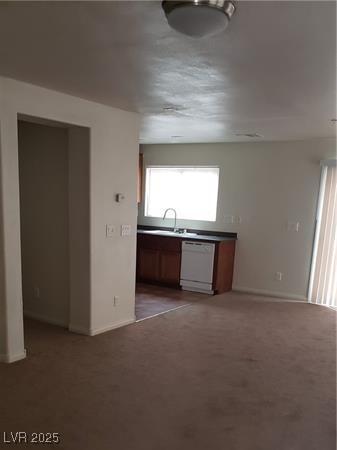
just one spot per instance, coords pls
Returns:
(199, 18)
(170, 109)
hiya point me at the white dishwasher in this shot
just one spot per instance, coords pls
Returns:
(197, 263)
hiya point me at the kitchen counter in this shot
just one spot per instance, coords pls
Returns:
(193, 235)
(162, 257)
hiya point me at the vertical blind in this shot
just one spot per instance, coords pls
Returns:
(323, 282)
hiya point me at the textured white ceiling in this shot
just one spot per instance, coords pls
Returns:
(272, 72)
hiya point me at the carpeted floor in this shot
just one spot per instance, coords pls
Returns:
(225, 373)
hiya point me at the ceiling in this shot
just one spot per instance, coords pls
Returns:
(272, 72)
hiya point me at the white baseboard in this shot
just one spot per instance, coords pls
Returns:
(13, 358)
(274, 294)
(94, 331)
(44, 318)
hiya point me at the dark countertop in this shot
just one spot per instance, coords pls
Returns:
(192, 235)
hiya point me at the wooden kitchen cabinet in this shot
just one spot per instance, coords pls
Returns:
(169, 267)
(223, 266)
(159, 261)
(148, 264)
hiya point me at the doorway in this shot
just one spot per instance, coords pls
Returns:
(44, 204)
(54, 216)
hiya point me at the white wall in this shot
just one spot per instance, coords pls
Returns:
(11, 323)
(3, 311)
(79, 228)
(113, 165)
(266, 184)
(43, 163)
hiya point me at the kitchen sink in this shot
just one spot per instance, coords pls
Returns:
(170, 233)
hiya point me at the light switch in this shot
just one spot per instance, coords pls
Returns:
(229, 219)
(125, 230)
(279, 276)
(109, 230)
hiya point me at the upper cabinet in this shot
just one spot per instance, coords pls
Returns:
(140, 179)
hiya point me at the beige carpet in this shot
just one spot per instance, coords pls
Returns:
(226, 373)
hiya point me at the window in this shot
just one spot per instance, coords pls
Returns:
(191, 191)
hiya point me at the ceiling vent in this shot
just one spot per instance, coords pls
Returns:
(199, 18)
(250, 135)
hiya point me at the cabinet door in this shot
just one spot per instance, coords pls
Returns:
(170, 267)
(224, 266)
(148, 264)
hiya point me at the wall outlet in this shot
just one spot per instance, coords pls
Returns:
(279, 276)
(125, 230)
(116, 300)
(109, 230)
(36, 293)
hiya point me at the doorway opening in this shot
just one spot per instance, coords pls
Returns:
(54, 217)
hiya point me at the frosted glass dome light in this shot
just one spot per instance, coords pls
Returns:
(199, 18)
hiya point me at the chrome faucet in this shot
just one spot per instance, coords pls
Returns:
(175, 229)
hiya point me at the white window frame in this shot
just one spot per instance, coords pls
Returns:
(180, 166)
